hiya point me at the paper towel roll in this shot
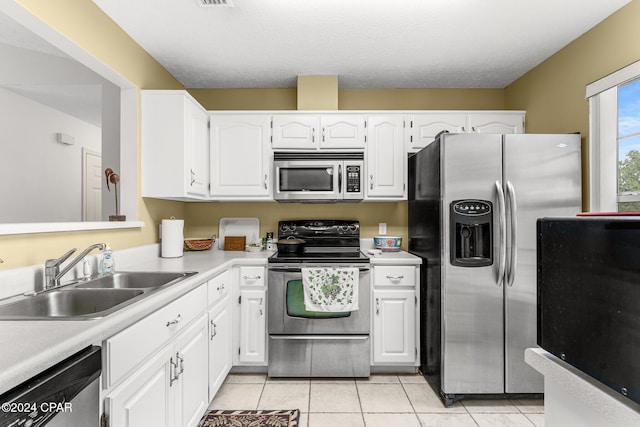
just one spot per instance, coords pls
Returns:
(172, 238)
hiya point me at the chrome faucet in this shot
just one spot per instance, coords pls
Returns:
(52, 273)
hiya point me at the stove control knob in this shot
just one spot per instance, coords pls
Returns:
(353, 228)
(284, 227)
(343, 228)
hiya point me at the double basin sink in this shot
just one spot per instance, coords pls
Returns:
(90, 299)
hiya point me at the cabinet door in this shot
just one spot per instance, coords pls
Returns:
(240, 156)
(253, 333)
(386, 158)
(295, 131)
(220, 346)
(197, 147)
(425, 127)
(192, 392)
(145, 398)
(496, 123)
(342, 131)
(394, 326)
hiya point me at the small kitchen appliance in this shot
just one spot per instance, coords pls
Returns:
(305, 343)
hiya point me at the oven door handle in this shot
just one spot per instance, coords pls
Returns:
(319, 337)
(298, 269)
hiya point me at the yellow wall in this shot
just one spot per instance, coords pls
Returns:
(553, 94)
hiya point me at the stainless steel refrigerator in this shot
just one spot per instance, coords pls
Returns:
(473, 204)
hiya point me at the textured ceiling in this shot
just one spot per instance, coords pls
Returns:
(367, 44)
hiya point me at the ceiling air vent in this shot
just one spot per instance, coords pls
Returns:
(215, 3)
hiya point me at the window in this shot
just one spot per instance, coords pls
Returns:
(614, 141)
(629, 146)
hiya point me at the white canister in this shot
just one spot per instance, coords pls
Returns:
(172, 238)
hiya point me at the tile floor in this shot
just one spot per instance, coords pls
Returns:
(380, 401)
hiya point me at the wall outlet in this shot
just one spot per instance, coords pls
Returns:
(382, 228)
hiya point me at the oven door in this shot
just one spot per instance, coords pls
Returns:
(287, 313)
(307, 180)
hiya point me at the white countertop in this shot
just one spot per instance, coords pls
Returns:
(31, 346)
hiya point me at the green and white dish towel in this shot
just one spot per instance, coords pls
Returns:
(330, 289)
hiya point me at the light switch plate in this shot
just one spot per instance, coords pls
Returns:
(382, 228)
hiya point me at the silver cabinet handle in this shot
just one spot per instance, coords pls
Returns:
(265, 181)
(175, 321)
(261, 311)
(213, 329)
(322, 134)
(377, 305)
(251, 277)
(395, 277)
(180, 359)
(473, 129)
(463, 129)
(172, 369)
(313, 134)
(193, 176)
(371, 182)
(220, 288)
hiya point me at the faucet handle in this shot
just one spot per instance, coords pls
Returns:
(57, 262)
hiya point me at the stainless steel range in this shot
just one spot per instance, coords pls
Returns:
(304, 343)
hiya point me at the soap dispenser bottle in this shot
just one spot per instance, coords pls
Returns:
(107, 264)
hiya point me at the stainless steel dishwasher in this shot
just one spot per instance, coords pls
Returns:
(65, 395)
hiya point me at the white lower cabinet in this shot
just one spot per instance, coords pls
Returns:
(168, 390)
(253, 326)
(394, 326)
(395, 314)
(220, 347)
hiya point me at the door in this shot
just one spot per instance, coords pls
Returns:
(472, 300)
(386, 157)
(240, 156)
(192, 366)
(197, 146)
(425, 127)
(394, 326)
(496, 123)
(295, 131)
(91, 185)
(219, 345)
(342, 131)
(145, 397)
(542, 178)
(253, 333)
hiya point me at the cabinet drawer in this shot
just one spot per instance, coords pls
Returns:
(218, 287)
(252, 276)
(394, 276)
(133, 345)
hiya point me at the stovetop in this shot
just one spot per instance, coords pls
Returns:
(325, 241)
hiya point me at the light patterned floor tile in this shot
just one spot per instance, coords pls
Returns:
(391, 420)
(285, 396)
(412, 379)
(379, 379)
(237, 396)
(498, 406)
(334, 398)
(446, 420)
(502, 420)
(304, 420)
(424, 399)
(530, 406)
(536, 419)
(246, 378)
(336, 420)
(383, 398)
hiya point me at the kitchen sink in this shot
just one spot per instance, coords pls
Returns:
(135, 279)
(90, 299)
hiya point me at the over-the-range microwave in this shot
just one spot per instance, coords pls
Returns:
(318, 177)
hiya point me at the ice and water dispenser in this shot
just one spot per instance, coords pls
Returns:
(471, 233)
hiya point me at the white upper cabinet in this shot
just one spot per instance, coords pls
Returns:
(296, 131)
(342, 131)
(313, 131)
(385, 159)
(422, 128)
(175, 143)
(496, 123)
(240, 157)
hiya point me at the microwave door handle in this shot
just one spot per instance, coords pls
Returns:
(339, 179)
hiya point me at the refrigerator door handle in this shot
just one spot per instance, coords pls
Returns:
(503, 235)
(513, 240)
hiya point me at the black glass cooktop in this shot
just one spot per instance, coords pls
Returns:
(350, 256)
